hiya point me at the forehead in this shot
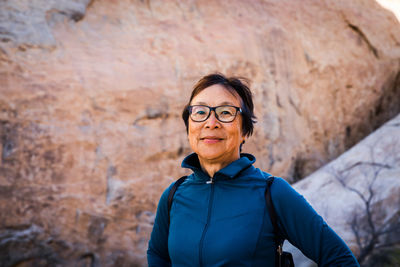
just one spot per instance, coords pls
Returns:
(215, 95)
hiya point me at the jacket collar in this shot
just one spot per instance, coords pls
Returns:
(228, 172)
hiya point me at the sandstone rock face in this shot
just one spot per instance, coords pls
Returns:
(27, 24)
(361, 189)
(92, 91)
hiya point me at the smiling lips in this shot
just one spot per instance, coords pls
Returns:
(211, 139)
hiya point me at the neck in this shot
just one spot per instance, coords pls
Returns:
(212, 166)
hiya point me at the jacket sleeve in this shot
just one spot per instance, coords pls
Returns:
(306, 230)
(157, 252)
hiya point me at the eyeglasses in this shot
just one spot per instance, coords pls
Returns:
(225, 113)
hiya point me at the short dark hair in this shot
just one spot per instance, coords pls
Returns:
(234, 84)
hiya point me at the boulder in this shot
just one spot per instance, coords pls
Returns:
(92, 92)
(358, 194)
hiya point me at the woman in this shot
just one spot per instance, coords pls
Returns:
(218, 215)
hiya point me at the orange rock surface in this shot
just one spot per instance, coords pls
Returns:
(92, 91)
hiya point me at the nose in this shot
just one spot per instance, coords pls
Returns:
(212, 121)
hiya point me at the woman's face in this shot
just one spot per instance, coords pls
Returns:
(212, 140)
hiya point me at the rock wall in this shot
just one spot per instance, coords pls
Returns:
(91, 95)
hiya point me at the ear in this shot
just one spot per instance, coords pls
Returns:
(241, 144)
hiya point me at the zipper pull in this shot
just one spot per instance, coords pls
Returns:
(280, 250)
(211, 181)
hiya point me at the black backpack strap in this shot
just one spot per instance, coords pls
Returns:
(278, 238)
(172, 193)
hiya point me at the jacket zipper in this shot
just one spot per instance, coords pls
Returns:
(208, 221)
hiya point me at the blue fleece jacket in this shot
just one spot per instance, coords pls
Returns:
(226, 222)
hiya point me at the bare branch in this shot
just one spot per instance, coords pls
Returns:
(370, 228)
(370, 163)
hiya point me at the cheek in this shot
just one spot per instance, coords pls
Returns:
(192, 133)
(236, 131)
(191, 130)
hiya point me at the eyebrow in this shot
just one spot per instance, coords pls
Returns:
(221, 104)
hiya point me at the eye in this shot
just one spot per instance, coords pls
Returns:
(199, 111)
(226, 112)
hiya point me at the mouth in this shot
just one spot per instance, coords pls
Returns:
(211, 139)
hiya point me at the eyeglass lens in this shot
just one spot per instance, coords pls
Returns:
(223, 113)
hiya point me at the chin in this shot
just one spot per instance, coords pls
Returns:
(223, 156)
(210, 156)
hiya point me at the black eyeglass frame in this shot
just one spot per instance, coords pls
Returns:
(238, 109)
